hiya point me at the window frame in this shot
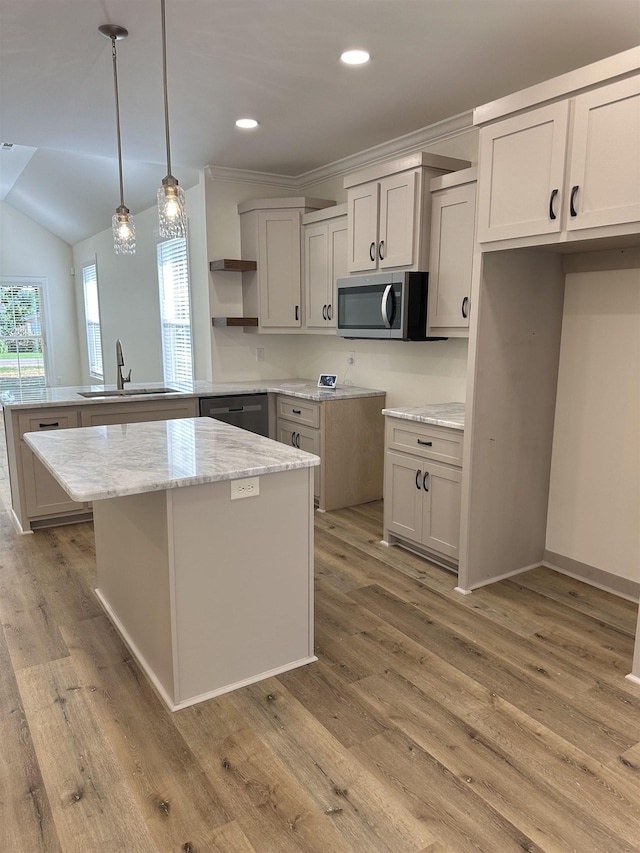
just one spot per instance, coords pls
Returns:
(171, 376)
(40, 282)
(91, 345)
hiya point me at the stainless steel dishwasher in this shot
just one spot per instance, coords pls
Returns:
(247, 411)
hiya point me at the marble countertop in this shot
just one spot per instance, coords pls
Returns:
(439, 414)
(93, 463)
(72, 395)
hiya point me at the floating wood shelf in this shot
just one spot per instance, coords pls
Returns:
(221, 322)
(230, 265)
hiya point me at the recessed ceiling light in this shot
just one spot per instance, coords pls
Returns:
(355, 57)
(246, 123)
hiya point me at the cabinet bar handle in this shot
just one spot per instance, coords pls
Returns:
(552, 214)
(425, 443)
(329, 311)
(45, 426)
(293, 439)
(298, 440)
(297, 312)
(372, 253)
(572, 209)
(418, 475)
(425, 480)
(464, 308)
(381, 250)
(297, 411)
(324, 312)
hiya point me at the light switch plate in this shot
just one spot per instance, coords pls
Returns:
(246, 488)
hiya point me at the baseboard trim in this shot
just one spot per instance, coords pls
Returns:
(622, 587)
(633, 679)
(466, 590)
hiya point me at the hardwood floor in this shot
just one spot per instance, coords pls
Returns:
(431, 722)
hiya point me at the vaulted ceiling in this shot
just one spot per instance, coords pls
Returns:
(275, 60)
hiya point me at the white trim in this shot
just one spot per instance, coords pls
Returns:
(41, 282)
(505, 576)
(634, 679)
(410, 143)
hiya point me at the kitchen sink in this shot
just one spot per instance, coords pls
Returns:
(127, 392)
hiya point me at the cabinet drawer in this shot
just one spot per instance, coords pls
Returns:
(429, 442)
(299, 411)
(47, 419)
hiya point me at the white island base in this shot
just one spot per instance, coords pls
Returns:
(210, 594)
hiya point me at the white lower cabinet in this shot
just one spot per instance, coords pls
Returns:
(304, 438)
(347, 435)
(37, 499)
(421, 494)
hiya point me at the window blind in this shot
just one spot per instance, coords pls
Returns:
(92, 319)
(175, 310)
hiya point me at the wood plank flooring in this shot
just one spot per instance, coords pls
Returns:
(432, 722)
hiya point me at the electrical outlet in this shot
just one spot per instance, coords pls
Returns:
(248, 487)
(351, 357)
(260, 354)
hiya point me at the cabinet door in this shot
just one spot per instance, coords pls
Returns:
(362, 227)
(452, 241)
(304, 439)
(441, 509)
(337, 244)
(604, 178)
(316, 275)
(521, 165)
(43, 494)
(279, 270)
(403, 496)
(397, 220)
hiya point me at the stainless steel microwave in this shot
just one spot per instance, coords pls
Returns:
(387, 305)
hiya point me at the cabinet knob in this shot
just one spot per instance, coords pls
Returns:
(572, 209)
(372, 251)
(465, 307)
(418, 475)
(552, 214)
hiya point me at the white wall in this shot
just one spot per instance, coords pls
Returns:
(594, 498)
(129, 295)
(27, 249)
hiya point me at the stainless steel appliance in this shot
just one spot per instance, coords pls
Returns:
(391, 305)
(247, 411)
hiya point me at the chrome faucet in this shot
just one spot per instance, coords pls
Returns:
(119, 365)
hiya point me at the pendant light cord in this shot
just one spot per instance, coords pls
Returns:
(115, 87)
(164, 82)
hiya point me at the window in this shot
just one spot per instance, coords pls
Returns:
(92, 318)
(23, 361)
(175, 310)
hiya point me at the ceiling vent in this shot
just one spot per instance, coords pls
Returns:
(7, 146)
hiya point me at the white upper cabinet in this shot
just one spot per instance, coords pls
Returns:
(522, 173)
(325, 260)
(563, 172)
(604, 167)
(388, 212)
(271, 233)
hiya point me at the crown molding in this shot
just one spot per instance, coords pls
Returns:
(402, 145)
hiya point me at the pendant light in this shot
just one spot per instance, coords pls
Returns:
(124, 229)
(171, 202)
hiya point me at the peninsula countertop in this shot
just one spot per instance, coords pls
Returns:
(74, 395)
(93, 463)
(439, 414)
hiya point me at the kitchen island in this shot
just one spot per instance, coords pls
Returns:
(204, 547)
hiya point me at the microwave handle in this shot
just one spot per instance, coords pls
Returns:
(385, 305)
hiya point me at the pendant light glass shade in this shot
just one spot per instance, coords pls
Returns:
(124, 229)
(172, 216)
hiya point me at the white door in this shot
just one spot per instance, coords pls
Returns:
(521, 164)
(316, 275)
(604, 182)
(362, 225)
(397, 220)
